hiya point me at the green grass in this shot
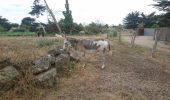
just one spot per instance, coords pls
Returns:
(17, 34)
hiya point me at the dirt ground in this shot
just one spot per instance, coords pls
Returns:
(147, 41)
(130, 74)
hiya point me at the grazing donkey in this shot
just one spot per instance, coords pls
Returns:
(85, 44)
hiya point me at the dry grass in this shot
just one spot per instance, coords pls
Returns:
(130, 74)
(22, 52)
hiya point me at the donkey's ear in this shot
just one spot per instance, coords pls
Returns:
(64, 35)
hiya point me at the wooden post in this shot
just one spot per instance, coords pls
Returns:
(120, 28)
(120, 35)
(156, 42)
(133, 38)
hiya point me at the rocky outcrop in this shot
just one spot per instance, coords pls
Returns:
(47, 67)
(43, 64)
(62, 63)
(45, 70)
(47, 79)
(8, 77)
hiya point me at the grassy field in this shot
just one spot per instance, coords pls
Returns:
(17, 34)
(130, 74)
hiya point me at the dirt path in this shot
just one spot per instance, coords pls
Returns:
(147, 41)
(128, 76)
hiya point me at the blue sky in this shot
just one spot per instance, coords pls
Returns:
(83, 11)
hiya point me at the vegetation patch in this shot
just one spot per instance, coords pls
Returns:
(17, 34)
(47, 42)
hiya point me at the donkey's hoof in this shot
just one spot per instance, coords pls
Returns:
(103, 66)
(84, 65)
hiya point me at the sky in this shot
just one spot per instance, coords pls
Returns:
(109, 12)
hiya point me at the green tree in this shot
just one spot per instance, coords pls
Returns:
(132, 20)
(14, 25)
(68, 21)
(29, 23)
(5, 24)
(77, 28)
(37, 9)
(163, 5)
(95, 28)
(149, 20)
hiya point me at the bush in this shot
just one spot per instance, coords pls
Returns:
(2, 29)
(112, 32)
(96, 28)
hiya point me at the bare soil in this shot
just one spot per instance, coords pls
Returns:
(147, 41)
(130, 74)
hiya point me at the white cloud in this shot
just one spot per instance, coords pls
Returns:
(83, 11)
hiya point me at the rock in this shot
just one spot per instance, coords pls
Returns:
(8, 77)
(43, 64)
(57, 52)
(47, 79)
(62, 62)
(76, 55)
(4, 62)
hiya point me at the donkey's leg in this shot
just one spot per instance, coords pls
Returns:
(104, 59)
(84, 58)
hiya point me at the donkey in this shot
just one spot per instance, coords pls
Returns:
(100, 45)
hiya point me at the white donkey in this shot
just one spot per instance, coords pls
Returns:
(85, 44)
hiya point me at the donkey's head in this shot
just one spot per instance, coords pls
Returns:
(70, 43)
(67, 44)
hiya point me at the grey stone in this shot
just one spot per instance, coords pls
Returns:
(47, 79)
(4, 62)
(43, 64)
(76, 55)
(8, 77)
(62, 62)
(57, 52)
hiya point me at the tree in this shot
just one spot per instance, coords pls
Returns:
(38, 9)
(68, 21)
(164, 19)
(149, 20)
(163, 5)
(28, 21)
(77, 28)
(14, 25)
(132, 20)
(94, 28)
(5, 24)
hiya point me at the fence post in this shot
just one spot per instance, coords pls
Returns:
(133, 38)
(156, 41)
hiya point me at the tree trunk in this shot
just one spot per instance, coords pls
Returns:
(133, 38)
(53, 17)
